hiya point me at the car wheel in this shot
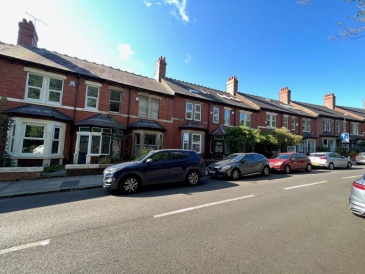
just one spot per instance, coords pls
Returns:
(308, 168)
(287, 169)
(236, 174)
(266, 171)
(193, 178)
(331, 166)
(129, 184)
(349, 165)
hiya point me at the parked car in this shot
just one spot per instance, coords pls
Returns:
(357, 197)
(236, 165)
(288, 161)
(329, 160)
(360, 158)
(155, 167)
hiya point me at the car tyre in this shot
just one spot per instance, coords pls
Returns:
(192, 178)
(331, 166)
(266, 171)
(129, 184)
(236, 174)
(349, 165)
(308, 168)
(287, 169)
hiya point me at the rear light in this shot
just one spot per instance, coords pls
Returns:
(357, 157)
(202, 160)
(323, 158)
(358, 186)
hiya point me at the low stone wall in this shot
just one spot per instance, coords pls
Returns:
(80, 170)
(20, 173)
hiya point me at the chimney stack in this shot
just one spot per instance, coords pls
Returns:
(285, 95)
(329, 101)
(232, 86)
(27, 34)
(160, 69)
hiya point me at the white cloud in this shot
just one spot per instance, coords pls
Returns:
(187, 60)
(180, 5)
(125, 51)
(148, 4)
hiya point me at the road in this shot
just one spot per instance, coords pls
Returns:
(296, 223)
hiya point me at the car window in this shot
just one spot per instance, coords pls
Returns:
(178, 155)
(248, 158)
(233, 157)
(160, 156)
(294, 157)
(317, 154)
(281, 156)
(256, 157)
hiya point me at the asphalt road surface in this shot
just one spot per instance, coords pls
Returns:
(296, 223)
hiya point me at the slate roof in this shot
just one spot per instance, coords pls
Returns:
(39, 56)
(100, 120)
(357, 111)
(276, 105)
(205, 93)
(193, 125)
(39, 111)
(325, 111)
(147, 124)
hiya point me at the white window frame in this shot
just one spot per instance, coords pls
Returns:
(196, 145)
(306, 125)
(286, 121)
(215, 115)
(44, 90)
(92, 85)
(293, 123)
(326, 125)
(189, 141)
(246, 119)
(354, 128)
(338, 126)
(271, 119)
(113, 101)
(227, 118)
(193, 111)
(149, 110)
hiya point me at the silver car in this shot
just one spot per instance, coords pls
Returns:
(237, 165)
(357, 197)
(360, 158)
(329, 160)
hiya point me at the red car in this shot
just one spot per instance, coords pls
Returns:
(288, 161)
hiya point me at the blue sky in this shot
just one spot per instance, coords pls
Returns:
(266, 44)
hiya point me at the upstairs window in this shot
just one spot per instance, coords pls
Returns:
(355, 128)
(271, 120)
(114, 102)
(215, 115)
(338, 126)
(245, 119)
(92, 97)
(148, 107)
(293, 123)
(193, 111)
(44, 87)
(327, 125)
(286, 121)
(227, 117)
(306, 125)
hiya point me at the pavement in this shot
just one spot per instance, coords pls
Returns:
(50, 182)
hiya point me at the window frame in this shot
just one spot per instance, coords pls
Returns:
(354, 128)
(286, 121)
(148, 109)
(246, 121)
(88, 96)
(271, 122)
(216, 115)
(306, 125)
(113, 101)
(326, 127)
(227, 118)
(196, 110)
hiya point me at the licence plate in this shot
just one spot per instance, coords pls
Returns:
(211, 172)
(314, 164)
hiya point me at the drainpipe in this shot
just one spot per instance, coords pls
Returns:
(73, 119)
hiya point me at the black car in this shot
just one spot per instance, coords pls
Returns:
(155, 167)
(236, 165)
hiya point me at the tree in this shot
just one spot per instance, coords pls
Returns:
(5, 126)
(348, 32)
(242, 139)
(283, 137)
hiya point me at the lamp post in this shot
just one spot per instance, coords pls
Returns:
(344, 123)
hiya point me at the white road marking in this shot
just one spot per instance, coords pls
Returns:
(201, 206)
(19, 247)
(305, 185)
(356, 176)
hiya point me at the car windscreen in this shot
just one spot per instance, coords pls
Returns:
(281, 156)
(317, 155)
(233, 157)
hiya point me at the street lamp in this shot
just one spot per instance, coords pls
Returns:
(344, 123)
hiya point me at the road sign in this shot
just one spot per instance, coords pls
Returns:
(345, 137)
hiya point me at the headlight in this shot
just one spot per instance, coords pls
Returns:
(278, 163)
(225, 167)
(112, 169)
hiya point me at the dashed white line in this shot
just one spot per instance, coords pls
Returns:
(19, 247)
(322, 182)
(356, 176)
(201, 206)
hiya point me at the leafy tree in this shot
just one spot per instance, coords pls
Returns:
(348, 32)
(5, 126)
(242, 139)
(267, 146)
(285, 138)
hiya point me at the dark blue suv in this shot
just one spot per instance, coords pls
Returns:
(155, 167)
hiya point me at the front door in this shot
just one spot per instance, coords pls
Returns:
(83, 146)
